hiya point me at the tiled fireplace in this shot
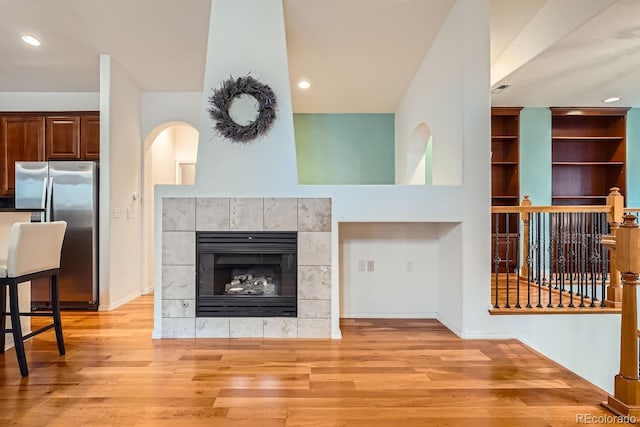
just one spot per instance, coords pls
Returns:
(182, 217)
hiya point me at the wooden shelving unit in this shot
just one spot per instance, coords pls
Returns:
(505, 156)
(588, 154)
(505, 182)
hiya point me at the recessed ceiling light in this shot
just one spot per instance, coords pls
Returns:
(611, 99)
(31, 40)
(304, 84)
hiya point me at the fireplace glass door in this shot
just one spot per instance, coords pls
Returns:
(246, 274)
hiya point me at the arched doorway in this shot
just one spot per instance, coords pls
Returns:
(170, 153)
(419, 156)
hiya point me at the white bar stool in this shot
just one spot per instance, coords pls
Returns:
(33, 252)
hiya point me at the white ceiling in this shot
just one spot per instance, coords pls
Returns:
(572, 53)
(360, 55)
(161, 43)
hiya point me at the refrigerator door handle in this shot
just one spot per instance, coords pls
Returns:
(43, 199)
(48, 208)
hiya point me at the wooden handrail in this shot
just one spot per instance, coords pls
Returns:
(552, 209)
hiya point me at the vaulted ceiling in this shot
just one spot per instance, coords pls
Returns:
(360, 55)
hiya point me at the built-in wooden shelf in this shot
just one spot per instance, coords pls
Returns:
(513, 196)
(578, 197)
(587, 138)
(588, 154)
(587, 163)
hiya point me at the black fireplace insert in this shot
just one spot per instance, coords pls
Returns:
(246, 274)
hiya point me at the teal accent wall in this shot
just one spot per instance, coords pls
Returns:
(633, 158)
(535, 155)
(345, 148)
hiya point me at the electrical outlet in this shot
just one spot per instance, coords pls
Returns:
(371, 265)
(362, 266)
(409, 266)
(116, 212)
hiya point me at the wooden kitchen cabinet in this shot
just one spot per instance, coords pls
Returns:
(73, 137)
(41, 136)
(22, 138)
(63, 137)
(90, 137)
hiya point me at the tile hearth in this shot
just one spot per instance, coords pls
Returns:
(183, 216)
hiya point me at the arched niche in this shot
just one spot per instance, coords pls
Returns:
(419, 156)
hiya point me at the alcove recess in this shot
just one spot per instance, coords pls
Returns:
(588, 154)
(505, 182)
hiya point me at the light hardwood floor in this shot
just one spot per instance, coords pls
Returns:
(382, 373)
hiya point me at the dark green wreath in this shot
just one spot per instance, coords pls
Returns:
(221, 100)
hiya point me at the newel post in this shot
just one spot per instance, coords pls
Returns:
(626, 245)
(614, 218)
(524, 216)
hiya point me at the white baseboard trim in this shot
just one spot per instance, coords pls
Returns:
(147, 291)
(489, 335)
(119, 303)
(369, 315)
(449, 326)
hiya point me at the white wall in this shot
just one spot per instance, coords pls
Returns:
(258, 47)
(120, 154)
(159, 108)
(186, 143)
(49, 101)
(436, 97)
(163, 158)
(450, 277)
(391, 290)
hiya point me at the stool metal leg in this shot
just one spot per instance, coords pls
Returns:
(55, 305)
(17, 329)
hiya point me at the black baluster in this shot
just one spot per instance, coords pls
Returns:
(529, 259)
(593, 253)
(604, 260)
(581, 251)
(538, 261)
(553, 251)
(547, 250)
(561, 259)
(570, 261)
(508, 257)
(518, 264)
(496, 258)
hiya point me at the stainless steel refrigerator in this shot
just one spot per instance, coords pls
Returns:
(67, 191)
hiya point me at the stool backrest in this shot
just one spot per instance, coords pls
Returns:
(34, 247)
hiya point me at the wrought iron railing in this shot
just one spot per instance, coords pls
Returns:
(550, 257)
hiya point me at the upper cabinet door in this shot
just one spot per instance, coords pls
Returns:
(90, 137)
(21, 139)
(63, 137)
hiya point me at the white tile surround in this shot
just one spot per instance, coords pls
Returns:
(183, 216)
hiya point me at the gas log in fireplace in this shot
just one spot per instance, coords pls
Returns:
(246, 274)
